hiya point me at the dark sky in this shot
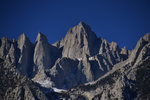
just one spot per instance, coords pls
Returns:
(122, 21)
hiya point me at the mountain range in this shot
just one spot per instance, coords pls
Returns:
(81, 66)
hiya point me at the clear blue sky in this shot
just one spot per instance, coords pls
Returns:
(122, 21)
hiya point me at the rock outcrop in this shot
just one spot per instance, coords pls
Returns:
(95, 56)
(9, 50)
(14, 86)
(127, 80)
(25, 61)
(88, 67)
(45, 56)
(79, 41)
(90, 57)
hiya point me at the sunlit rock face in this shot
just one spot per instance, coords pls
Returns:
(128, 80)
(15, 86)
(85, 65)
(25, 61)
(44, 58)
(95, 57)
(79, 40)
(90, 57)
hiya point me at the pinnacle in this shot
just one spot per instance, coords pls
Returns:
(147, 37)
(23, 37)
(41, 37)
(83, 24)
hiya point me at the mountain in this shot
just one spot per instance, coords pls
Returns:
(14, 86)
(90, 57)
(73, 57)
(80, 58)
(44, 58)
(79, 41)
(80, 66)
(26, 55)
(128, 80)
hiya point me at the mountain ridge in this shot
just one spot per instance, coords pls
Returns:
(80, 43)
(81, 63)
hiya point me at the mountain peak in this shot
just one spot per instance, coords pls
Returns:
(78, 41)
(41, 37)
(23, 37)
(84, 25)
(147, 37)
(23, 40)
(81, 28)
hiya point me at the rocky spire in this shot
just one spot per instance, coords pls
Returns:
(22, 41)
(136, 54)
(26, 55)
(114, 46)
(41, 37)
(147, 37)
(78, 41)
(4, 47)
(45, 56)
(124, 50)
(41, 51)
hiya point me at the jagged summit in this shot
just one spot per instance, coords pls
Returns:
(26, 55)
(81, 28)
(41, 37)
(23, 35)
(78, 58)
(84, 25)
(23, 39)
(128, 80)
(147, 37)
(78, 41)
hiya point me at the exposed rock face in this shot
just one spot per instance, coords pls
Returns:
(64, 73)
(42, 53)
(19, 53)
(9, 50)
(136, 56)
(94, 60)
(79, 41)
(90, 57)
(25, 61)
(126, 81)
(78, 58)
(14, 86)
(45, 56)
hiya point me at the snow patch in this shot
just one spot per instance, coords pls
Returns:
(45, 83)
(91, 58)
(58, 90)
(79, 59)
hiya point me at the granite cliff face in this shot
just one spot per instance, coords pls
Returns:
(26, 55)
(79, 41)
(14, 86)
(91, 57)
(128, 80)
(44, 58)
(89, 66)
(81, 53)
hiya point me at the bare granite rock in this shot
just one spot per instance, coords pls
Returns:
(90, 67)
(126, 81)
(79, 41)
(14, 86)
(95, 55)
(45, 56)
(25, 61)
